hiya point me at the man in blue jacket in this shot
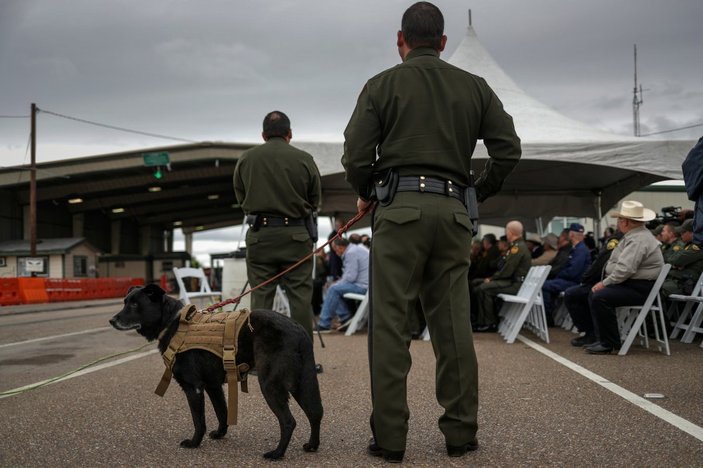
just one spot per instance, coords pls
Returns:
(570, 274)
(692, 169)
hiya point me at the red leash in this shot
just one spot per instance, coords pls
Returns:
(342, 230)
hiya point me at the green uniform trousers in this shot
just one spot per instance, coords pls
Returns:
(271, 250)
(485, 299)
(421, 248)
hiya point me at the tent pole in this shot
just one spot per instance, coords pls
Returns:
(597, 223)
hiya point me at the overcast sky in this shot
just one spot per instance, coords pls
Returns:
(211, 69)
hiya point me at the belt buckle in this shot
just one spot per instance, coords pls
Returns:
(421, 182)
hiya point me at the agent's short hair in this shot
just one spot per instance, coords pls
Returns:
(276, 124)
(423, 26)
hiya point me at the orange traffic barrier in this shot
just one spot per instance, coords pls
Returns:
(9, 291)
(32, 291)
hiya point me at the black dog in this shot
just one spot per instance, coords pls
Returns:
(278, 348)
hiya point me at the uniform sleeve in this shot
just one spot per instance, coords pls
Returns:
(315, 187)
(361, 137)
(692, 169)
(511, 263)
(683, 258)
(498, 133)
(238, 182)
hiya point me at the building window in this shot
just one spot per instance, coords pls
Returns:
(32, 266)
(80, 265)
(3, 261)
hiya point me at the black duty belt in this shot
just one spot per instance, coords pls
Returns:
(430, 185)
(278, 221)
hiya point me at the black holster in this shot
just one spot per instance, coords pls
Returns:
(385, 186)
(254, 221)
(311, 225)
(471, 203)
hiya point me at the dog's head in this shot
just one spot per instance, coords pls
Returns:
(143, 311)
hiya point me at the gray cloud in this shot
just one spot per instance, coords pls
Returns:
(211, 70)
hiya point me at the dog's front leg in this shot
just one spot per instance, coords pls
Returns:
(217, 397)
(196, 402)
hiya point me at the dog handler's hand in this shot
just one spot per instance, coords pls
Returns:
(362, 204)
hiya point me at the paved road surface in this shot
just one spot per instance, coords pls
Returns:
(535, 409)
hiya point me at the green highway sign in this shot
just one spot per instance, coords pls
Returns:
(156, 159)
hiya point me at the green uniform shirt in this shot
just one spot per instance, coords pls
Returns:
(670, 249)
(277, 179)
(517, 262)
(687, 263)
(393, 109)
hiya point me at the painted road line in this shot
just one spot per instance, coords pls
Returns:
(18, 390)
(658, 411)
(55, 337)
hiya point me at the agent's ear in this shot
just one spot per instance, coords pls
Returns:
(154, 292)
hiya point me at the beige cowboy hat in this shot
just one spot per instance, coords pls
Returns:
(634, 210)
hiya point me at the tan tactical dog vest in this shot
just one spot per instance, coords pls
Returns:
(216, 333)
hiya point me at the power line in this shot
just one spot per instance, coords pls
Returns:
(673, 130)
(113, 127)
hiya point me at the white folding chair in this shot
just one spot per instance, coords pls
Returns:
(280, 302)
(526, 307)
(204, 290)
(361, 315)
(689, 324)
(631, 319)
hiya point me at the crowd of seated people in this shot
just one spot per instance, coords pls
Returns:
(595, 278)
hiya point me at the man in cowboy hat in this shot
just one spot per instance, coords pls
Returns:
(629, 274)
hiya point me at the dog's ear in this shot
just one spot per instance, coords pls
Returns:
(132, 288)
(154, 292)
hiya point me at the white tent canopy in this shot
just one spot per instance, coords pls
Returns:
(567, 167)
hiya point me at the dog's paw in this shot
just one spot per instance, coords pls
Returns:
(189, 443)
(274, 455)
(218, 434)
(308, 447)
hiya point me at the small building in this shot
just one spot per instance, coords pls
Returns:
(72, 257)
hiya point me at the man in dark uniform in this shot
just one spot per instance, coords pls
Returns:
(507, 280)
(686, 264)
(669, 238)
(420, 121)
(576, 297)
(278, 187)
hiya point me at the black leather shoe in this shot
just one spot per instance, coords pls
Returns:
(585, 340)
(460, 450)
(486, 329)
(318, 368)
(599, 348)
(391, 456)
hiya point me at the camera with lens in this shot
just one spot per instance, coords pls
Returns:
(668, 213)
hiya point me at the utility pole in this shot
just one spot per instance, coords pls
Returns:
(33, 187)
(636, 101)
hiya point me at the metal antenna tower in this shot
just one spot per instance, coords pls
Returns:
(637, 100)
